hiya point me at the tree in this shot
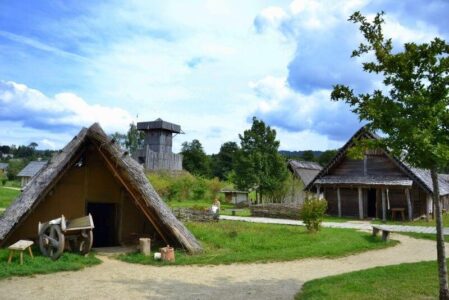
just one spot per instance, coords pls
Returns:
(223, 162)
(258, 163)
(308, 155)
(5, 149)
(411, 109)
(33, 145)
(194, 159)
(134, 138)
(326, 157)
(120, 138)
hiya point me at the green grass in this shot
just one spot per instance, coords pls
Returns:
(338, 219)
(13, 183)
(423, 222)
(229, 242)
(405, 281)
(41, 264)
(240, 212)
(425, 236)
(7, 196)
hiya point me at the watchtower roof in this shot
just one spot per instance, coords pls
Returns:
(159, 124)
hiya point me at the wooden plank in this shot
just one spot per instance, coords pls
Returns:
(409, 204)
(339, 202)
(21, 245)
(360, 203)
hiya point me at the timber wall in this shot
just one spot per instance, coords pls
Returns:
(93, 182)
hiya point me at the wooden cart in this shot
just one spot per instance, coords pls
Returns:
(59, 234)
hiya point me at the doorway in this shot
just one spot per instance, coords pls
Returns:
(104, 216)
(371, 213)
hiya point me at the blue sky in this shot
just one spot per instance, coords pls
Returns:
(206, 65)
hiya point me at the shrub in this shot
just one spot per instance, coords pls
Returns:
(199, 188)
(312, 213)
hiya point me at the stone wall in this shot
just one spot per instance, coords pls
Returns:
(276, 210)
(190, 214)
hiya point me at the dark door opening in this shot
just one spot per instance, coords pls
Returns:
(103, 215)
(371, 203)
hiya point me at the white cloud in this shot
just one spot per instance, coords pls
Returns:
(33, 109)
(294, 112)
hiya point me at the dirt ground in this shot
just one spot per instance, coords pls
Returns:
(114, 279)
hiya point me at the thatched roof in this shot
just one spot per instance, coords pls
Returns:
(420, 176)
(304, 170)
(125, 169)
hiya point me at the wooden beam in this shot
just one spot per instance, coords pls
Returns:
(339, 202)
(360, 203)
(409, 204)
(384, 208)
(365, 165)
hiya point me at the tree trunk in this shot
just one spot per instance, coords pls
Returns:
(441, 251)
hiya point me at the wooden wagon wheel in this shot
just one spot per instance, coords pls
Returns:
(86, 241)
(51, 241)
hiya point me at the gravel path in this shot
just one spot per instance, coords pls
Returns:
(114, 279)
(360, 225)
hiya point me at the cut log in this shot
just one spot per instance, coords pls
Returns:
(145, 246)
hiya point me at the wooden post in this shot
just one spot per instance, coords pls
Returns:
(384, 209)
(339, 202)
(318, 191)
(145, 246)
(360, 203)
(409, 204)
(428, 206)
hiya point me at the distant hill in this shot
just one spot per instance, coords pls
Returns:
(292, 154)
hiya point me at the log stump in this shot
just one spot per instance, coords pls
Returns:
(145, 246)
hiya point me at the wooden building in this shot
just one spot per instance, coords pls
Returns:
(377, 186)
(236, 197)
(92, 175)
(30, 170)
(156, 152)
(303, 173)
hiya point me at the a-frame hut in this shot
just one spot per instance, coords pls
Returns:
(92, 175)
(377, 186)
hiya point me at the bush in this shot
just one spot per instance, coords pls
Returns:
(312, 213)
(184, 186)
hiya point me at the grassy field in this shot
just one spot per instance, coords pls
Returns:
(240, 242)
(405, 281)
(7, 196)
(42, 265)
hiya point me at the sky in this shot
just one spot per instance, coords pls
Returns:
(209, 66)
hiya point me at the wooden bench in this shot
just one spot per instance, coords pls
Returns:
(385, 232)
(21, 246)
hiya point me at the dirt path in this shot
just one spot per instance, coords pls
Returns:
(118, 280)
